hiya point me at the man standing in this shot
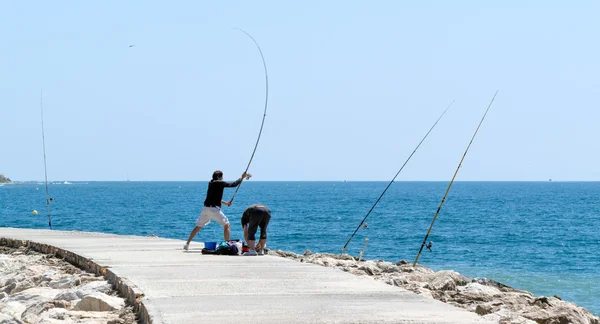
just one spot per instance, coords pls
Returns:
(256, 216)
(212, 206)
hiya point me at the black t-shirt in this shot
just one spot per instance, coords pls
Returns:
(214, 194)
(248, 212)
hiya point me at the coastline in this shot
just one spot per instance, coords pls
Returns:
(488, 298)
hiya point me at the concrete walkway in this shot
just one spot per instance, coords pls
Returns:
(189, 287)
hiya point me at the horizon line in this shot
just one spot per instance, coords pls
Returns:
(549, 180)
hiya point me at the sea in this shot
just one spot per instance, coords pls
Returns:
(543, 237)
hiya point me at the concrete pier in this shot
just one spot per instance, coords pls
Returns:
(169, 285)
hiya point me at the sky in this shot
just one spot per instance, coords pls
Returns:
(353, 87)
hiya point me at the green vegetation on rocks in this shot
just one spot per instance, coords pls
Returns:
(4, 179)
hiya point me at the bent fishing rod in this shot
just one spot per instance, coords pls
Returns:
(264, 113)
(44, 150)
(389, 184)
(452, 181)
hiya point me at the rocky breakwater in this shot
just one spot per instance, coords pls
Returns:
(38, 288)
(488, 298)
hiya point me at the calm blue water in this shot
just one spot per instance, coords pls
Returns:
(538, 236)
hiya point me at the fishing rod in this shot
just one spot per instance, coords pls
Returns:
(264, 114)
(389, 184)
(452, 181)
(45, 169)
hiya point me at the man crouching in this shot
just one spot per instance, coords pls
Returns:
(254, 217)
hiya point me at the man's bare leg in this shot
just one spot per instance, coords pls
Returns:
(246, 233)
(251, 245)
(192, 234)
(262, 243)
(226, 232)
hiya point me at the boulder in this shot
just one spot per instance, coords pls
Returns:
(99, 302)
(23, 285)
(370, 269)
(484, 309)
(65, 282)
(477, 292)
(7, 319)
(13, 309)
(9, 288)
(68, 295)
(551, 310)
(388, 267)
(506, 316)
(91, 287)
(399, 281)
(446, 280)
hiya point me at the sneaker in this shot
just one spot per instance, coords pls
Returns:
(250, 253)
(186, 247)
(261, 252)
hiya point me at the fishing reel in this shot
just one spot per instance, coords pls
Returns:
(248, 176)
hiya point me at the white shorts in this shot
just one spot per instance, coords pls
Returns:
(209, 213)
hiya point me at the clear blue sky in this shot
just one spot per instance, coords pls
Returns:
(353, 87)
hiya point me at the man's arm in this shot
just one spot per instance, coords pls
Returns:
(228, 203)
(235, 183)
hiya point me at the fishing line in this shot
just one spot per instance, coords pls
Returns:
(45, 169)
(265, 111)
(389, 184)
(452, 181)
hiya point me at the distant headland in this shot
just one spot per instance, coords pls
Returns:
(4, 179)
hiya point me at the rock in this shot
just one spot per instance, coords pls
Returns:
(23, 285)
(357, 272)
(388, 267)
(345, 257)
(505, 316)
(401, 281)
(60, 303)
(32, 314)
(477, 292)
(9, 288)
(426, 293)
(33, 295)
(91, 287)
(502, 287)
(6, 319)
(483, 309)
(127, 315)
(55, 315)
(85, 279)
(68, 296)
(65, 282)
(13, 309)
(402, 262)
(317, 262)
(48, 275)
(99, 302)
(369, 268)
(286, 254)
(2, 295)
(116, 321)
(554, 310)
(307, 253)
(446, 280)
